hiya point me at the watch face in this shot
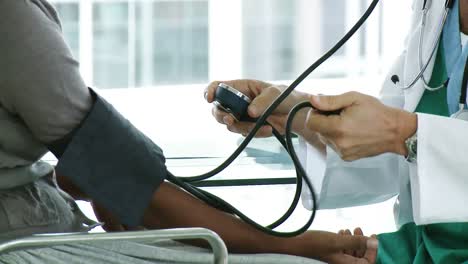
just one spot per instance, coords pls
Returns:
(412, 147)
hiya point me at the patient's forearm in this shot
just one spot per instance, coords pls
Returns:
(172, 207)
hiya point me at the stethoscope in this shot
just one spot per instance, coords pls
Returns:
(235, 103)
(423, 66)
(462, 113)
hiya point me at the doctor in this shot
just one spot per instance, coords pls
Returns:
(404, 144)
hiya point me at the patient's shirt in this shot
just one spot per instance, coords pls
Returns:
(42, 96)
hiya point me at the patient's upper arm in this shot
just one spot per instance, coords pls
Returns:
(39, 78)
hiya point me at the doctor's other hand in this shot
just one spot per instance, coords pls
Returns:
(364, 128)
(262, 95)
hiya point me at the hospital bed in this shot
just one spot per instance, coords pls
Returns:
(47, 240)
(171, 251)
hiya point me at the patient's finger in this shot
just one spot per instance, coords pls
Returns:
(352, 243)
(358, 232)
(341, 232)
(351, 252)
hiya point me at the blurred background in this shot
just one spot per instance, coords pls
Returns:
(153, 58)
(146, 43)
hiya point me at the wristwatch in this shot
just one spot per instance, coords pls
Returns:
(412, 147)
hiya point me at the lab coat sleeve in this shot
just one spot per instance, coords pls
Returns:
(439, 179)
(339, 184)
(39, 79)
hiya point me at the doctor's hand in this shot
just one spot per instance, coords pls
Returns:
(364, 128)
(262, 95)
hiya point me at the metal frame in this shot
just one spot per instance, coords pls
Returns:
(46, 240)
(246, 182)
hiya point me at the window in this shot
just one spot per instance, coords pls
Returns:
(111, 45)
(179, 51)
(145, 43)
(138, 43)
(70, 19)
(164, 44)
(268, 39)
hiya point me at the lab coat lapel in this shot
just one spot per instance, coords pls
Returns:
(434, 18)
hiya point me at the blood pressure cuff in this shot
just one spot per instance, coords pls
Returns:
(114, 163)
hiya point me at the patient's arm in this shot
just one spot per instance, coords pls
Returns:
(66, 185)
(172, 207)
(110, 222)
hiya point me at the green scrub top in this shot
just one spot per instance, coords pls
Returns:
(436, 243)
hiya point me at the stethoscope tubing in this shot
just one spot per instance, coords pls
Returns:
(423, 66)
(185, 182)
(435, 44)
(420, 75)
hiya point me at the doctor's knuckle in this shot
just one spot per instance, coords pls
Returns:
(310, 124)
(330, 100)
(339, 130)
(353, 95)
(344, 145)
(273, 90)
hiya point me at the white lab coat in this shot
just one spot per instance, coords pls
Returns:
(433, 190)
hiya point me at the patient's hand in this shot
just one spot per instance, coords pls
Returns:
(336, 248)
(367, 255)
(357, 232)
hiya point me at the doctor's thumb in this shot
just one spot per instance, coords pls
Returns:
(333, 102)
